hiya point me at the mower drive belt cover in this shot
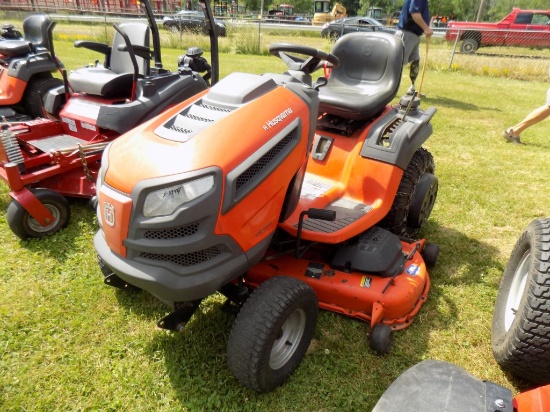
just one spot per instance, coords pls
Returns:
(377, 252)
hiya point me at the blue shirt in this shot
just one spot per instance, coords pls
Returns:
(406, 21)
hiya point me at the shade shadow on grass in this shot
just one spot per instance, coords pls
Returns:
(456, 104)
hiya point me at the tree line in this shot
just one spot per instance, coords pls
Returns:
(463, 10)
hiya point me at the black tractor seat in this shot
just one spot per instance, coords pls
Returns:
(368, 78)
(14, 48)
(35, 29)
(113, 78)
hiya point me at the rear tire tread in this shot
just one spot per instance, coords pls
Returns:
(524, 349)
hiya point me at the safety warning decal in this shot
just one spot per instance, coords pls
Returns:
(365, 282)
(413, 270)
(313, 188)
(88, 126)
(70, 123)
(314, 270)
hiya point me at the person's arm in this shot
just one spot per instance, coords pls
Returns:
(417, 17)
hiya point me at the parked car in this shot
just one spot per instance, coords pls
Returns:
(339, 27)
(193, 21)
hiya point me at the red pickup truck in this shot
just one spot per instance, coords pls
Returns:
(527, 28)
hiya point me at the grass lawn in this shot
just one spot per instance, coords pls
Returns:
(70, 343)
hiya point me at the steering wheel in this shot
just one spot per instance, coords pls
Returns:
(307, 66)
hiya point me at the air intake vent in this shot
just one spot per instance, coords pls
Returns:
(263, 162)
(213, 108)
(173, 233)
(181, 130)
(190, 121)
(186, 259)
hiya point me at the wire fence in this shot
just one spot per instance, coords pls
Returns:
(521, 55)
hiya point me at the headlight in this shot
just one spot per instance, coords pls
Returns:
(165, 201)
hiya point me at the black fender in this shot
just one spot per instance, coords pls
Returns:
(25, 68)
(394, 138)
(433, 385)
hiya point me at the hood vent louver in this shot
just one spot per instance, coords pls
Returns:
(190, 121)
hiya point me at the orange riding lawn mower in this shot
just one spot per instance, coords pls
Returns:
(26, 67)
(58, 155)
(283, 194)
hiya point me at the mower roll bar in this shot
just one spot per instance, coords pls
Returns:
(213, 34)
(130, 49)
(154, 33)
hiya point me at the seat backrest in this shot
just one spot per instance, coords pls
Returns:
(120, 61)
(368, 78)
(35, 29)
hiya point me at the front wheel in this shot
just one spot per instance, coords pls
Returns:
(25, 226)
(272, 333)
(521, 321)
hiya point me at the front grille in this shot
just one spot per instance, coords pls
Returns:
(185, 259)
(262, 162)
(172, 233)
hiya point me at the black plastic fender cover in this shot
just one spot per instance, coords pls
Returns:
(433, 385)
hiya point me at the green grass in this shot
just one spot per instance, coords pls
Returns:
(70, 343)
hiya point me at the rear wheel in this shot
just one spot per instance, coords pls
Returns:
(521, 325)
(469, 46)
(25, 226)
(415, 197)
(36, 92)
(272, 333)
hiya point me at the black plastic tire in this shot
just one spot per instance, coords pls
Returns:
(422, 200)
(25, 226)
(381, 339)
(272, 333)
(36, 92)
(521, 322)
(469, 46)
(397, 219)
(430, 253)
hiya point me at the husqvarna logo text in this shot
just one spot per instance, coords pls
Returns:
(270, 123)
(109, 213)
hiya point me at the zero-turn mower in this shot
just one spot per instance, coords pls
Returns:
(283, 194)
(45, 160)
(26, 67)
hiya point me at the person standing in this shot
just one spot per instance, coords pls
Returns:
(413, 22)
(538, 115)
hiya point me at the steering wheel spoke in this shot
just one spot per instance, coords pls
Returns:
(286, 52)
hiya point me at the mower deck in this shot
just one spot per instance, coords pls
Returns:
(392, 301)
